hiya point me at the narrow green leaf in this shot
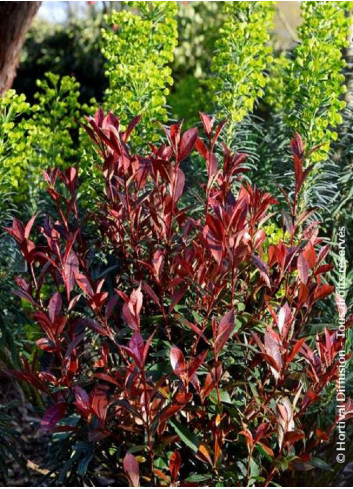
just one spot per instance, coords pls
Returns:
(189, 438)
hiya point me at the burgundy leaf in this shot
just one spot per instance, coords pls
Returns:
(135, 301)
(297, 145)
(95, 326)
(179, 186)
(284, 320)
(130, 128)
(17, 230)
(174, 465)
(303, 268)
(224, 330)
(273, 349)
(177, 361)
(70, 269)
(100, 401)
(323, 253)
(131, 468)
(323, 291)
(84, 284)
(29, 226)
(324, 269)
(82, 400)
(52, 416)
(177, 296)
(263, 268)
(187, 143)
(150, 292)
(207, 123)
(201, 148)
(137, 346)
(55, 304)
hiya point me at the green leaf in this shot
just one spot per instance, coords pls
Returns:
(263, 452)
(189, 438)
(83, 465)
(197, 478)
(224, 397)
(320, 464)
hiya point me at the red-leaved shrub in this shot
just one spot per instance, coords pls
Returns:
(177, 335)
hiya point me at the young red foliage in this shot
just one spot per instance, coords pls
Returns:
(189, 338)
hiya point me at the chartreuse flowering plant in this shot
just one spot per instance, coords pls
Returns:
(139, 48)
(242, 54)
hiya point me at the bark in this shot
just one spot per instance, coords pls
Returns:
(15, 19)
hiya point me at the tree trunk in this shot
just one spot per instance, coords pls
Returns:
(15, 19)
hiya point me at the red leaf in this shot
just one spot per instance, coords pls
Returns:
(196, 363)
(131, 310)
(303, 268)
(284, 320)
(187, 143)
(150, 292)
(269, 359)
(201, 148)
(297, 145)
(212, 378)
(174, 465)
(135, 302)
(323, 253)
(52, 416)
(225, 329)
(303, 293)
(107, 378)
(177, 296)
(55, 304)
(129, 318)
(29, 226)
(324, 269)
(298, 169)
(263, 268)
(157, 260)
(131, 468)
(177, 361)
(295, 349)
(194, 328)
(267, 449)
(100, 401)
(175, 130)
(218, 131)
(82, 400)
(341, 305)
(45, 344)
(285, 419)
(137, 346)
(323, 291)
(95, 326)
(204, 453)
(272, 345)
(259, 238)
(178, 403)
(110, 306)
(310, 254)
(179, 187)
(84, 284)
(214, 244)
(207, 123)
(130, 128)
(70, 269)
(26, 296)
(17, 230)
